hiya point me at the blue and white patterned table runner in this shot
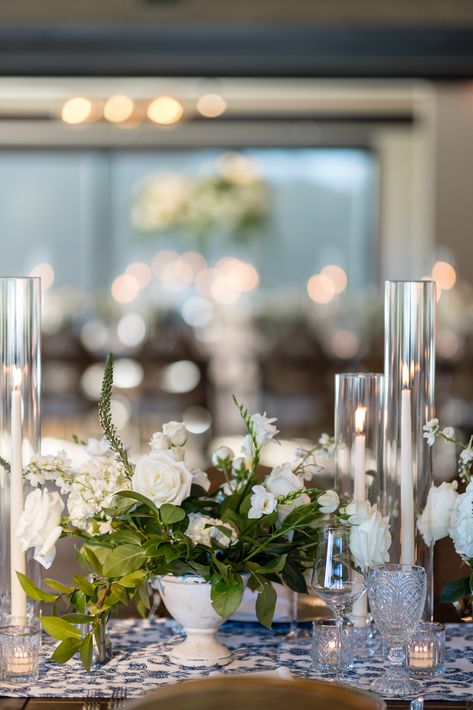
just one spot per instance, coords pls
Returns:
(139, 662)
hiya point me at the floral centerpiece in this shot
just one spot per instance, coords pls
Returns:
(145, 522)
(450, 513)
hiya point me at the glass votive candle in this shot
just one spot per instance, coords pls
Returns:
(19, 653)
(426, 650)
(324, 645)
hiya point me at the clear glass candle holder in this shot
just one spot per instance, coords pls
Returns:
(324, 646)
(426, 650)
(19, 653)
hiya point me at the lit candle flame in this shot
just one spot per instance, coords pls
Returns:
(16, 377)
(406, 380)
(360, 417)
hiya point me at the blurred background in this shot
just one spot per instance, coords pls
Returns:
(216, 192)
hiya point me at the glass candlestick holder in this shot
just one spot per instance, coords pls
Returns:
(359, 410)
(20, 375)
(409, 362)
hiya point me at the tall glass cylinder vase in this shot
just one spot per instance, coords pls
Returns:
(359, 407)
(359, 399)
(20, 373)
(410, 380)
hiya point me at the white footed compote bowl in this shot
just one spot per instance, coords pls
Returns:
(188, 601)
(397, 599)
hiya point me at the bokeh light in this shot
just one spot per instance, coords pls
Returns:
(320, 288)
(125, 288)
(128, 373)
(46, 273)
(181, 376)
(131, 330)
(444, 274)
(161, 259)
(337, 276)
(211, 105)
(118, 108)
(448, 343)
(141, 271)
(76, 110)
(177, 275)
(165, 110)
(345, 344)
(94, 335)
(198, 311)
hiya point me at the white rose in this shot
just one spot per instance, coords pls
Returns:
(203, 530)
(179, 453)
(162, 480)
(264, 428)
(328, 502)
(370, 538)
(461, 526)
(262, 502)
(39, 525)
(434, 522)
(159, 442)
(222, 455)
(282, 481)
(98, 447)
(176, 433)
(201, 479)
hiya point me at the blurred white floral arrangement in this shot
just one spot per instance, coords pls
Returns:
(449, 513)
(230, 200)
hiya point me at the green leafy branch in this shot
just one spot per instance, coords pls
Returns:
(5, 464)
(105, 416)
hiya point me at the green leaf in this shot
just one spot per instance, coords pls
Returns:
(78, 618)
(66, 649)
(33, 591)
(265, 605)
(140, 498)
(123, 560)
(106, 421)
(120, 593)
(455, 590)
(131, 580)
(143, 594)
(58, 586)
(226, 595)
(86, 651)
(59, 628)
(293, 577)
(170, 514)
(84, 585)
(79, 601)
(272, 567)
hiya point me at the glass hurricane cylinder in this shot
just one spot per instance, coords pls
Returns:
(20, 373)
(410, 379)
(359, 399)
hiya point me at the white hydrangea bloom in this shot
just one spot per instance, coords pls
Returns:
(92, 489)
(461, 525)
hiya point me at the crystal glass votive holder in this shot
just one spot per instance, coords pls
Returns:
(19, 653)
(426, 650)
(367, 641)
(324, 646)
